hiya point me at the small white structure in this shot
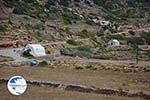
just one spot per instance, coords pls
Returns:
(35, 50)
(101, 22)
(114, 42)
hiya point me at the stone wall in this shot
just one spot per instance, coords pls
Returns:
(82, 88)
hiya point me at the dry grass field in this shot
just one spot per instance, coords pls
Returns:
(47, 93)
(67, 74)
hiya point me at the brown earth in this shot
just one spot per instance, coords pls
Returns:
(5, 59)
(72, 73)
(47, 93)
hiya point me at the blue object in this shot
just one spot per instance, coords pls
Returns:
(15, 79)
(33, 63)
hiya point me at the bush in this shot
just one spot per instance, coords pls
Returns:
(30, 1)
(49, 3)
(76, 0)
(27, 54)
(64, 2)
(132, 32)
(118, 37)
(90, 22)
(146, 37)
(69, 17)
(78, 67)
(89, 67)
(135, 40)
(28, 26)
(103, 56)
(53, 10)
(43, 64)
(73, 42)
(85, 34)
(99, 34)
(3, 29)
(147, 53)
(84, 49)
(38, 36)
(19, 10)
(61, 2)
(66, 20)
(80, 51)
(39, 26)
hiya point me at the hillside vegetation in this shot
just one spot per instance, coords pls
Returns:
(34, 21)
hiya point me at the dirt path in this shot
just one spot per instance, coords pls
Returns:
(13, 54)
(86, 60)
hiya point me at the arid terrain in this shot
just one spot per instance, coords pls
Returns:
(47, 93)
(99, 44)
(78, 73)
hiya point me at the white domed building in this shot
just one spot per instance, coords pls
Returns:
(114, 42)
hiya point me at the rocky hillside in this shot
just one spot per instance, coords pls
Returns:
(25, 21)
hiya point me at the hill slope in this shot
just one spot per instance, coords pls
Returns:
(56, 20)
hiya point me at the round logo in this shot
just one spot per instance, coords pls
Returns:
(17, 85)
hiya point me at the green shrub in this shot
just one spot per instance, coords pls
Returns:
(147, 53)
(39, 26)
(73, 42)
(132, 32)
(77, 0)
(103, 56)
(89, 67)
(10, 22)
(70, 17)
(30, 1)
(3, 29)
(26, 17)
(38, 36)
(146, 37)
(82, 48)
(66, 20)
(53, 10)
(135, 40)
(90, 22)
(80, 51)
(27, 54)
(78, 67)
(28, 26)
(100, 34)
(85, 34)
(19, 10)
(23, 8)
(49, 3)
(118, 37)
(64, 2)
(43, 63)
(61, 2)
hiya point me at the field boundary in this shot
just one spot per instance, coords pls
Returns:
(85, 89)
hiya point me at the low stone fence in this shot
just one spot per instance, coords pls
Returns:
(86, 89)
